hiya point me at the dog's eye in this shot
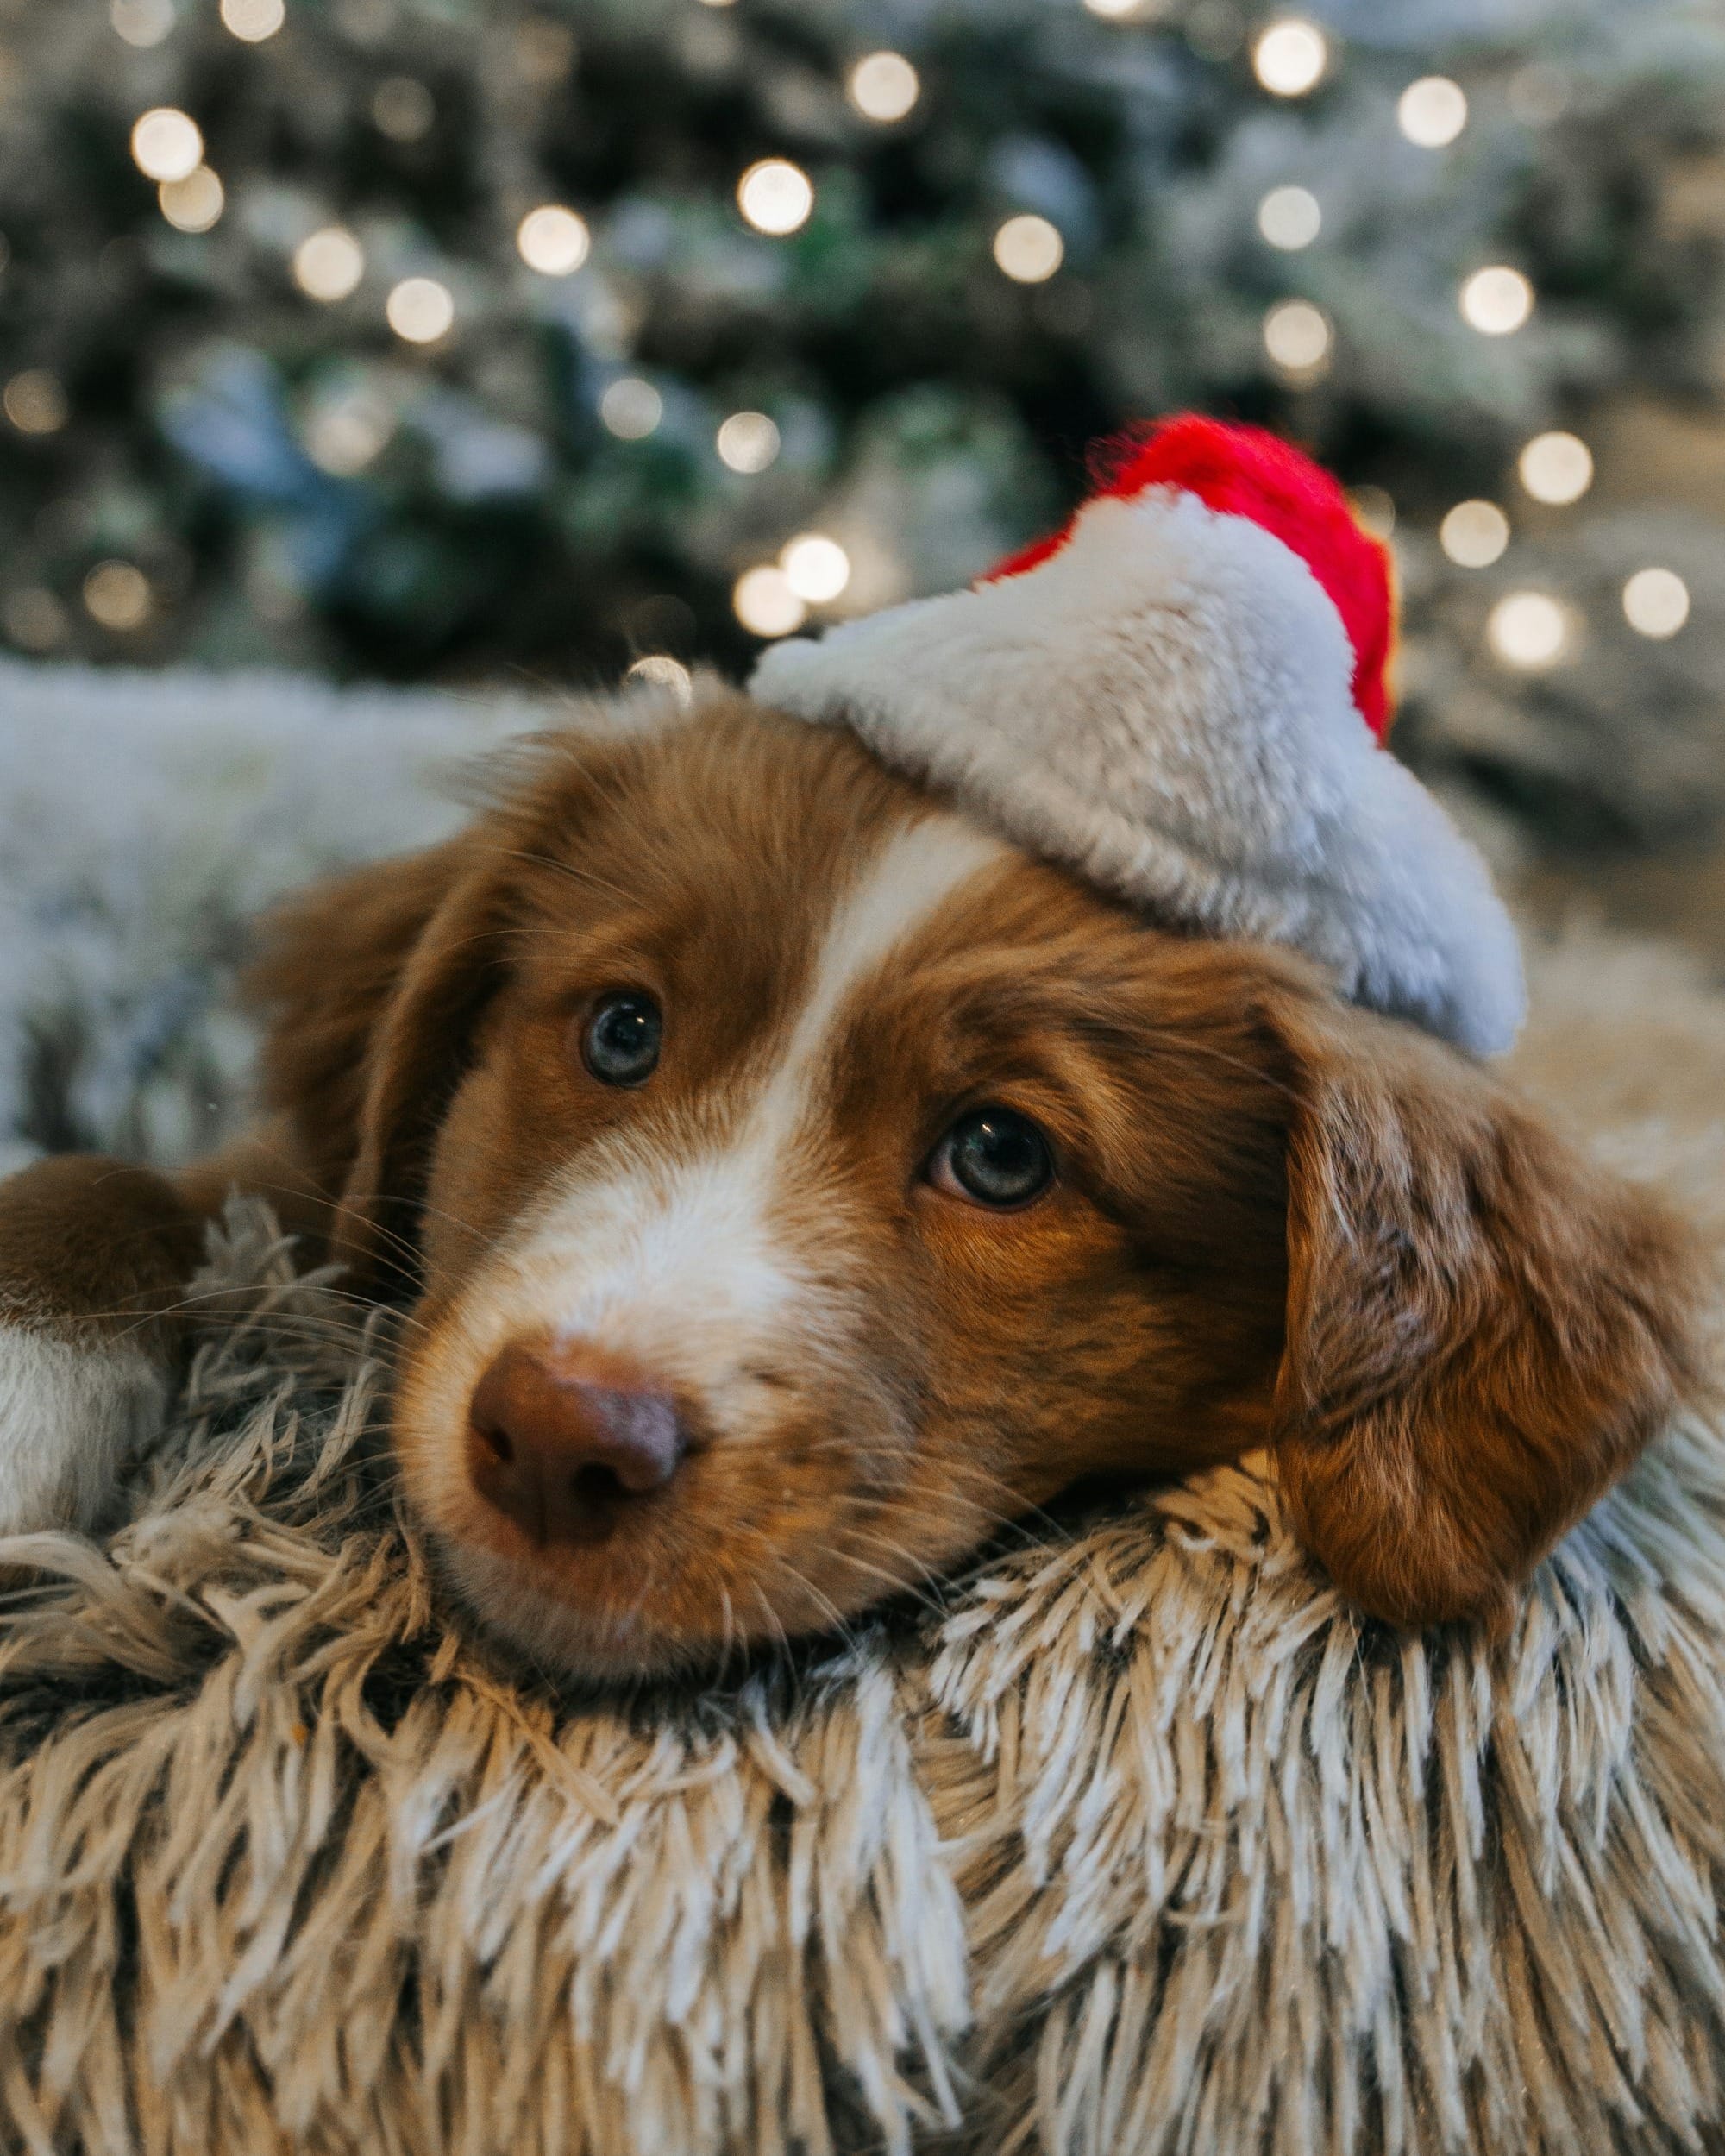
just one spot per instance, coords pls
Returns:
(621, 1044)
(992, 1156)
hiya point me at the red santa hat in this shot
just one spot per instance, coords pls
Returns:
(1182, 697)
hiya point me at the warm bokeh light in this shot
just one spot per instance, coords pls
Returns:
(883, 86)
(1432, 112)
(329, 264)
(345, 434)
(142, 23)
(765, 604)
(1029, 249)
(553, 239)
(1297, 336)
(1474, 534)
(117, 596)
(1496, 301)
(1529, 630)
(252, 21)
(403, 109)
(1556, 468)
(420, 310)
(1376, 508)
(1289, 57)
(748, 441)
(1656, 602)
(34, 619)
(658, 670)
(166, 144)
(35, 402)
(631, 408)
(775, 197)
(815, 568)
(1289, 217)
(194, 203)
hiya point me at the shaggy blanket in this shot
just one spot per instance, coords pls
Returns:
(1131, 1839)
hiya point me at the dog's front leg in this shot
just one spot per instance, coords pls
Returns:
(95, 1259)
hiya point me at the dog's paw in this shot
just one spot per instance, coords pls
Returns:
(72, 1410)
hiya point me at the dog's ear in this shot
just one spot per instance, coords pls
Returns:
(370, 985)
(1482, 1329)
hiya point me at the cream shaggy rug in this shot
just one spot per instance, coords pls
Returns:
(1131, 1841)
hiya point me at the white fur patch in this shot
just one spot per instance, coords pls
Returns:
(69, 1414)
(1165, 706)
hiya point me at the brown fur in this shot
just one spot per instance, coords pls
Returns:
(1277, 1219)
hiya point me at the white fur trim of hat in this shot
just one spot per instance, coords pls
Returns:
(1180, 697)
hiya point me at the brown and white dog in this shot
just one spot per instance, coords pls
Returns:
(795, 1180)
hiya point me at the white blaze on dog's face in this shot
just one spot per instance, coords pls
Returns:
(703, 1151)
(800, 1181)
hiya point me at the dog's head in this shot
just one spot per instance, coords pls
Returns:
(797, 1181)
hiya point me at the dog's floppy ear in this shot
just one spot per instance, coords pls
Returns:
(1484, 1330)
(370, 985)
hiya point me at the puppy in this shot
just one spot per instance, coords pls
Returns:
(792, 1180)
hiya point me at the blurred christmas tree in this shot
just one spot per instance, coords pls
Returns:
(461, 337)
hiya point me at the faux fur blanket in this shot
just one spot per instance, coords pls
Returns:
(1131, 1840)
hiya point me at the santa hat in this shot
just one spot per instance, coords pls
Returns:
(1182, 697)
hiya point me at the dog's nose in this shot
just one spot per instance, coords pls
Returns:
(563, 1446)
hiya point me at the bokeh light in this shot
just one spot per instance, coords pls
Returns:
(775, 197)
(420, 310)
(194, 203)
(765, 604)
(1289, 217)
(1432, 112)
(883, 86)
(631, 408)
(1556, 468)
(166, 144)
(815, 568)
(329, 265)
(1656, 602)
(141, 24)
(1496, 301)
(659, 671)
(35, 402)
(1474, 534)
(1298, 337)
(553, 239)
(252, 21)
(1289, 57)
(1029, 249)
(1529, 630)
(403, 109)
(748, 441)
(117, 596)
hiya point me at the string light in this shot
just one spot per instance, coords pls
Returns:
(765, 604)
(1474, 534)
(35, 402)
(404, 110)
(883, 86)
(1289, 217)
(1029, 249)
(659, 671)
(252, 21)
(117, 596)
(1297, 336)
(329, 264)
(194, 203)
(631, 408)
(1289, 57)
(166, 144)
(1656, 603)
(420, 310)
(817, 569)
(775, 197)
(141, 24)
(553, 239)
(748, 441)
(1528, 630)
(1496, 301)
(1556, 468)
(1432, 112)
